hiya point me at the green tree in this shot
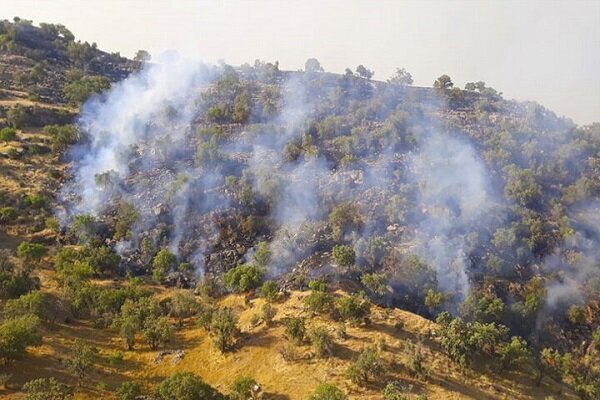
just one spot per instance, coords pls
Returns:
(364, 72)
(401, 78)
(367, 366)
(443, 82)
(47, 389)
(313, 65)
(514, 353)
(295, 329)
(244, 277)
(183, 305)
(187, 386)
(269, 291)
(262, 255)
(142, 56)
(321, 341)
(82, 361)
(164, 262)
(375, 283)
(344, 255)
(77, 92)
(354, 308)
(327, 391)
(223, 328)
(157, 331)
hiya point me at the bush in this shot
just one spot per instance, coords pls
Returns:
(355, 308)
(268, 313)
(62, 136)
(515, 352)
(16, 335)
(244, 388)
(318, 301)
(8, 134)
(344, 255)
(375, 283)
(116, 357)
(344, 217)
(269, 291)
(47, 389)
(7, 214)
(366, 366)
(129, 391)
(262, 256)
(394, 391)
(42, 305)
(187, 386)
(321, 341)
(78, 91)
(244, 278)
(31, 252)
(295, 329)
(327, 391)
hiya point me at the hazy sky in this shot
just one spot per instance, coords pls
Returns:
(547, 51)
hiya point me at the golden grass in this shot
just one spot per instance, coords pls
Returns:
(257, 354)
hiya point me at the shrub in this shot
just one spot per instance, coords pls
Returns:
(187, 386)
(295, 329)
(344, 217)
(8, 134)
(269, 291)
(262, 256)
(116, 357)
(244, 278)
(244, 388)
(394, 391)
(375, 283)
(16, 335)
(367, 365)
(223, 328)
(344, 255)
(78, 91)
(7, 214)
(82, 361)
(515, 352)
(129, 391)
(318, 301)
(321, 341)
(355, 308)
(31, 252)
(47, 389)
(268, 313)
(327, 391)
(576, 314)
(62, 136)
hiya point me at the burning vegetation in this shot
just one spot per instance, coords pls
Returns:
(198, 181)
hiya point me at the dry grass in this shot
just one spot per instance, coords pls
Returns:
(257, 354)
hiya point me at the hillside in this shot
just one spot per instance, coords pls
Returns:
(444, 239)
